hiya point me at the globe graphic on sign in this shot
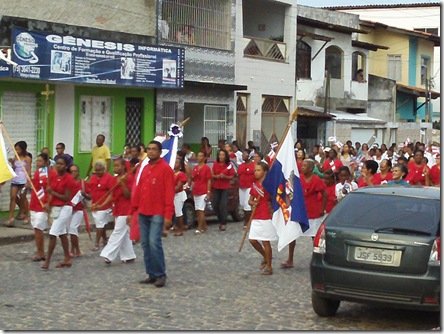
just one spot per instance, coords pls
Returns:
(25, 46)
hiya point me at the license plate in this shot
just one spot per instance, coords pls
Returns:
(383, 257)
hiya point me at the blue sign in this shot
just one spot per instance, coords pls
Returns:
(67, 58)
(5, 69)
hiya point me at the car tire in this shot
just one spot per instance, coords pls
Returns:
(238, 215)
(324, 307)
(189, 214)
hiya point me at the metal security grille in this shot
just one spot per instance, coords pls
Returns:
(19, 114)
(134, 107)
(275, 113)
(215, 125)
(169, 115)
(197, 22)
(241, 119)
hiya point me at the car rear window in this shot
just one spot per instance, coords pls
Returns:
(387, 211)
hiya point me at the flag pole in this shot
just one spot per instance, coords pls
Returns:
(28, 178)
(292, 118)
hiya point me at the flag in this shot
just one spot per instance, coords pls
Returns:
(284, 186)
(40, 194)
(6, 172)
(169, 150)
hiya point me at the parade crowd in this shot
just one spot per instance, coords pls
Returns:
(143, 194)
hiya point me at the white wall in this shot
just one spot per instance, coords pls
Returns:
(307, 89)
(64, 118)
(265, 77)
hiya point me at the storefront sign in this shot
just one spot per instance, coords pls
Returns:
(5, 69)
(65, 58)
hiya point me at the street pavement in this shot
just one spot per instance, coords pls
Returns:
(210, 286)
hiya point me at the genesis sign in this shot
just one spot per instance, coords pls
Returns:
(81, 60)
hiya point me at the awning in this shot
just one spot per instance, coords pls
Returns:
(345, 117)
(212, 84)
(313, 112)
(314, 36)
(416, 91)
(369, 46)
(329, 26)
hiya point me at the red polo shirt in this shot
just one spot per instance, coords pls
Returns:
(179, 177)
(222, 168)
(122, 205)
(59, 184)
(263, 208)
(77, 187)
(40, 181)
(416, 174)
(246, 174)
(333, 165)
(98, 187)
(200, 177)
(435, 175)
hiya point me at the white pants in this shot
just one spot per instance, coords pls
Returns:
(61, 216)
(179, 199)
(244, 196)
(102, 217)
(39, 220)
(199, 202)
(76, 220)
(119, 242)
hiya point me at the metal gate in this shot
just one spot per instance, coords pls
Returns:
(134, 107)
(215, 125)
(19, 115)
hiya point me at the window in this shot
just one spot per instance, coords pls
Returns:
(204, 23)
(303, 63)
(358, 66)
(241, 118)
(215, 125)
(95, 119)
(169, 115)
(394, 67)
(333, 62)
(275, 113)
(425, 69)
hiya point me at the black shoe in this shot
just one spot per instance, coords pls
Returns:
(160, 282)
(149, 280)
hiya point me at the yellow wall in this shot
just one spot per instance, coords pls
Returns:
(398, 45)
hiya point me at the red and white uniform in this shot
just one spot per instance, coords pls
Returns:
(435, 175)
(39, 218)
(382, 179)
(222, 168)
(119, 243)
(98, 187)
(180, 195)
(246, 179)
(333, 165)
(416, 174)
(261, 226)
(77, 210)
(200, 177)
(313, 190)
(61, 210)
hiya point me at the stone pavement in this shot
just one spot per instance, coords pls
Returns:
(210, 287)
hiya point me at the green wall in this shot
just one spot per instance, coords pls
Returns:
(118, 125)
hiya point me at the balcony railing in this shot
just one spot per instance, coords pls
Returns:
(265, 49)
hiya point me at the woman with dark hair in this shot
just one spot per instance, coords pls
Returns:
(39, 216)
(180, 196)
(418, 170)
(300, 157)
(223, 172)
(78, 210)
(368, 172)
(332, 162)
(201, 190)
(205, 147)
(257, 157)
(19, 184)
(60, 191)
(385, 173)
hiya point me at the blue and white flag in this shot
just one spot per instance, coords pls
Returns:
(287, 198)
(169, 150)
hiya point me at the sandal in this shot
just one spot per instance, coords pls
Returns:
(267, 271)
(38, 258)
(222, 227)
(286, 265)
(178, 234)
(107, 261)
(197, 232)
(95, 248)
(64, 265)
(45, 266)
(263, 265)
(10, 222)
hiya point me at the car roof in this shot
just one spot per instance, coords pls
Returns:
(405, 191)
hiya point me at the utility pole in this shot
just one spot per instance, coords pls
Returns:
(427, 101)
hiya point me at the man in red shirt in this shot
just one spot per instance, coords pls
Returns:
(154, 200)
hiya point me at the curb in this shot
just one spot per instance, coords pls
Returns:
(16, 239)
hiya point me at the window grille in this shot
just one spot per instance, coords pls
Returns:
(204, 23)
(303, 64)
(169, 115)
(215, 125)
(134, 108)
(333, 62)
(241, 119)
(275, 104)
(425, 65)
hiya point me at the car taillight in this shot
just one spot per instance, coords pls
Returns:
(435, 254)
(319, 240)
